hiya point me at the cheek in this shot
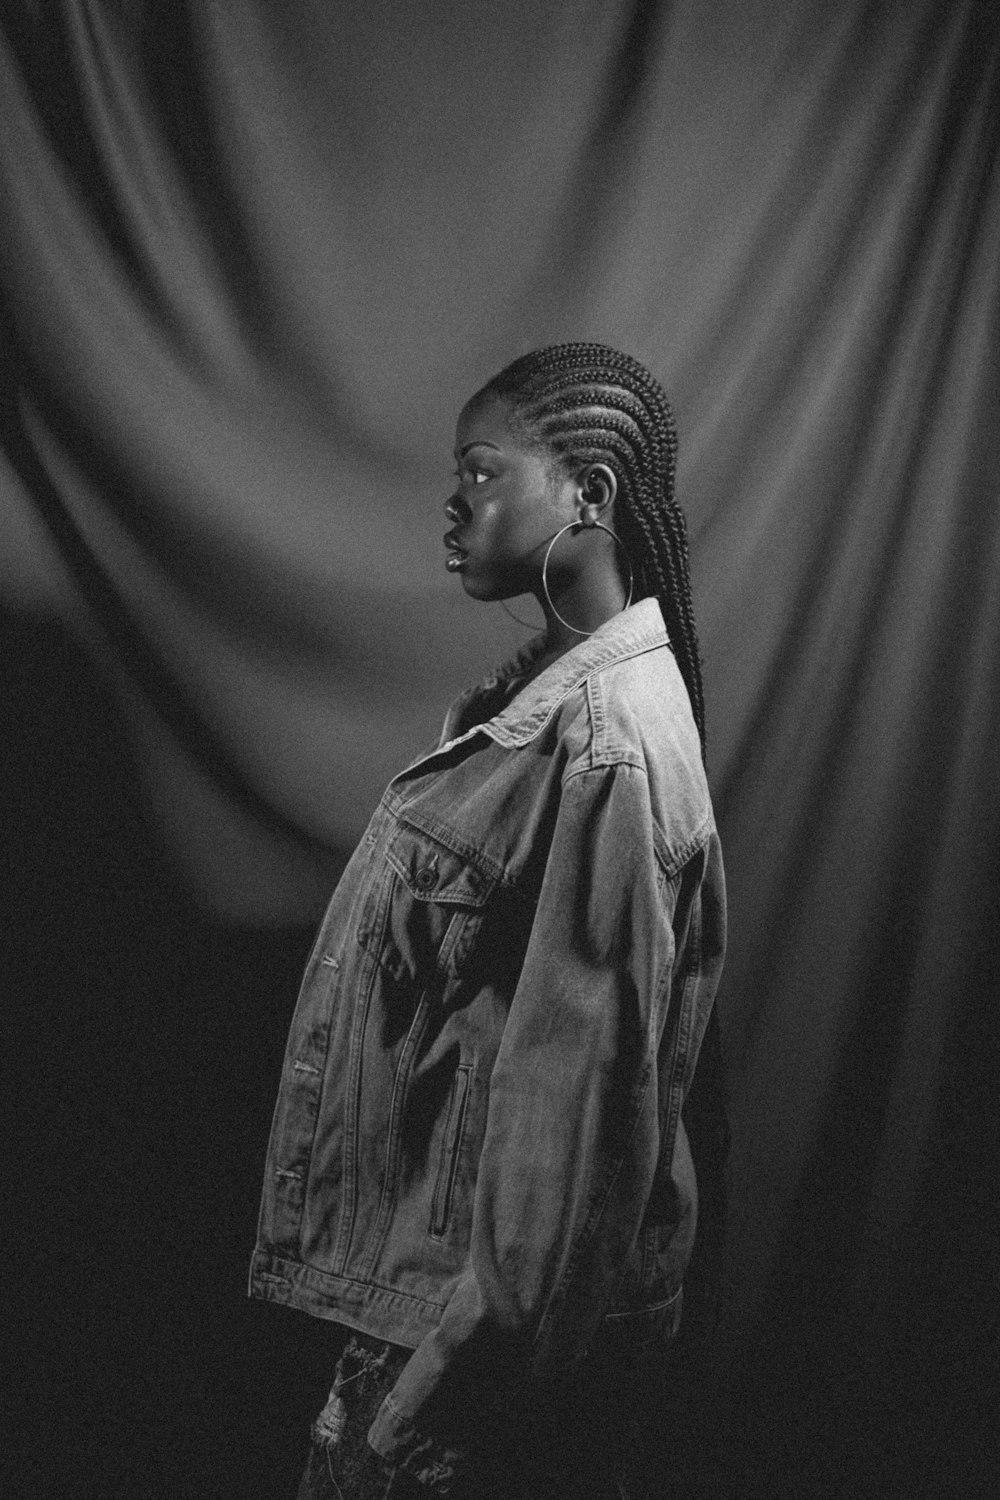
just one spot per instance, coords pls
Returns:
(506, 534)
(494, 533)
(516, 532)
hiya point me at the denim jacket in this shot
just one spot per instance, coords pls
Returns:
(477, 1149)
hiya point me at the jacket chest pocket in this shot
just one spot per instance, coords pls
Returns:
(430, 904)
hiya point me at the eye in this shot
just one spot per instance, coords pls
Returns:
(478, 476)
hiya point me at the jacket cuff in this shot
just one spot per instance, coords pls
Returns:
(435, 1465)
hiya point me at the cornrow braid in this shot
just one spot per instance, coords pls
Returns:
(586, 403)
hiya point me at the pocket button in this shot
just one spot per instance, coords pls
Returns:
(426, 879)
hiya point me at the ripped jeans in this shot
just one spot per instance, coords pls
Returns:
(341, 1464)
(583, 1441)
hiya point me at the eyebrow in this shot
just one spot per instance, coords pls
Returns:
(478, 443)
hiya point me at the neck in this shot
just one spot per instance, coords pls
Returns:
(584, 606)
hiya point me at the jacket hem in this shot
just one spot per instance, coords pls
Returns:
(397, 1317)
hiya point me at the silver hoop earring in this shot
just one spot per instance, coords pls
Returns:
(579, 526)
(526, 623)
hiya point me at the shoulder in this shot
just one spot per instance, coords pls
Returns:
(635, 712)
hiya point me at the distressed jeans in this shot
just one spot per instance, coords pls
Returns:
(579, 1443)
(341, 1465)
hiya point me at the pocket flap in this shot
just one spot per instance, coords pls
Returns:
(433, 872)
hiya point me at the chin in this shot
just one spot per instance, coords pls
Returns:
(477, 588)
(488, 588)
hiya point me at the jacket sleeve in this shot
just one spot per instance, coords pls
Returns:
(571, 1137)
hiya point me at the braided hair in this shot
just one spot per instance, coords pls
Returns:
(586, 403)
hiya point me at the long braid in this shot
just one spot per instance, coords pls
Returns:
(586, 403)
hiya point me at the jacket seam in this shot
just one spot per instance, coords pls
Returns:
(597, 1212)
(679, 857)
(627, 1314)
(694, 845)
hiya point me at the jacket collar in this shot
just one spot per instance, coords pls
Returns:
(631, 632)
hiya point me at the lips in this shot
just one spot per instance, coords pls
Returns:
(457, 555)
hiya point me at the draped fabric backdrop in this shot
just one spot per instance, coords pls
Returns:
(254, 258)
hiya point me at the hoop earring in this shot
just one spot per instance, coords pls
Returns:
(526, 623)
(575, 526)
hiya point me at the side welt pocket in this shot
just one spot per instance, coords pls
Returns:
(451, 1147)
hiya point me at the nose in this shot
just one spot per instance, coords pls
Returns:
(453, 509)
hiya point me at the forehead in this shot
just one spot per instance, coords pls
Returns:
(485, 420)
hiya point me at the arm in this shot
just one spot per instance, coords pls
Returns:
(571, 1137)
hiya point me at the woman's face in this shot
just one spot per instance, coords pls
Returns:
(509, 502)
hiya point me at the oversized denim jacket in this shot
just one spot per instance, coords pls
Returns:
(477, 1149)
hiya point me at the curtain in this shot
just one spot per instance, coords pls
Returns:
(254, 258)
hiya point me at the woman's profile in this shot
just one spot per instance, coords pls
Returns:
(478, 1170)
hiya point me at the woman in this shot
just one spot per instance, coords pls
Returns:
(477, 1166)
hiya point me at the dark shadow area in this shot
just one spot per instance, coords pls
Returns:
(886, 1382)
(141, 1044)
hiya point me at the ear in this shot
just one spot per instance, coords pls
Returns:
(596, 487)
